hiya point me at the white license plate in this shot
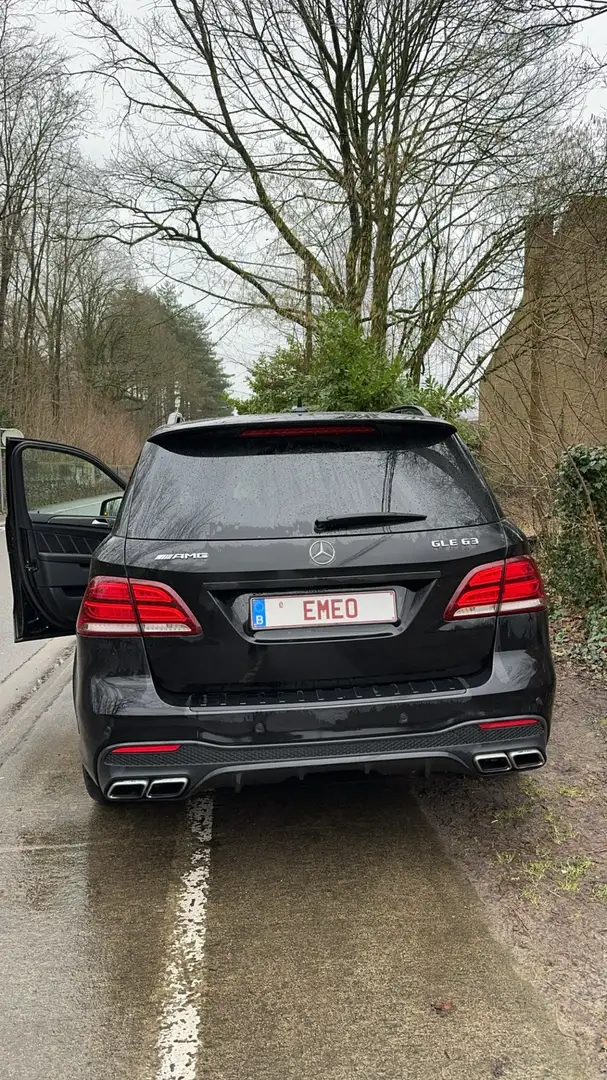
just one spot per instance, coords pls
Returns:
(328, 609)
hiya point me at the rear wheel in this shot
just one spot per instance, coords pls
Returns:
(94, 790)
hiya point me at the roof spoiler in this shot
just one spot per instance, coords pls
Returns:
(413, 417)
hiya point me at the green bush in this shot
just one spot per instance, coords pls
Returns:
(572, 550)
(348, 372)
(276, 381)
(472, 434)
(595, 628)
(581, 473)
(571, 566)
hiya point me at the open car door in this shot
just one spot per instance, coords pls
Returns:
(62, 503)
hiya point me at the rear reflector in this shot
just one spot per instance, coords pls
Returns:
(500, 588)
(490, 725)
(295, 430)
(148, 748)
(117, 607)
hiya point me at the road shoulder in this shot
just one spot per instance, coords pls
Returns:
(31, 687)
(534, 848)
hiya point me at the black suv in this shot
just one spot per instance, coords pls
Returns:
(280, 594)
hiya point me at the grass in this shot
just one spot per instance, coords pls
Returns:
(510, 814)
(563, 873)
(538, 868)
(571, 870)
(532, 787)
(561, 830)
(575, 792)
(536, 798)
(574, 870)
(505, 858)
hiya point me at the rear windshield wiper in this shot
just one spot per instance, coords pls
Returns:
(356, 521)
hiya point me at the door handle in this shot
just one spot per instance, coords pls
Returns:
(101, 521)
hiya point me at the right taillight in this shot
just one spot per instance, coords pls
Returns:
(523, 588)
(115, 607)
(500, 588)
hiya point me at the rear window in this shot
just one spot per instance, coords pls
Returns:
(246, 488)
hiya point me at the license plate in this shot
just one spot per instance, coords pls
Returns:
(329, 609)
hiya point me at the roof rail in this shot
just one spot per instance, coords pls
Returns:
(175, 418)
(417, 409)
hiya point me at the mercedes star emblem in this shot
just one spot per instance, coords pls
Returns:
(322, 552)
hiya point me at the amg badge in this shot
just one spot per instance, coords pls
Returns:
(185, 555)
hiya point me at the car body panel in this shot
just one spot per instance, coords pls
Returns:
(248, 704)
(231, 652)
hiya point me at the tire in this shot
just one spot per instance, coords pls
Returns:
(95, 791)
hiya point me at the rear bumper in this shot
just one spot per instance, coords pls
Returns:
(423, 728)
(465, 748)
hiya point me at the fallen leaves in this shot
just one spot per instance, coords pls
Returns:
(443, 1008)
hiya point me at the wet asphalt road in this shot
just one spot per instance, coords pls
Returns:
(318, 932)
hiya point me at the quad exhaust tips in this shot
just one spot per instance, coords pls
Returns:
(163, 787)
(492, 763)
(167, 787)
(127, 789)
(516, 759)
(528, 759)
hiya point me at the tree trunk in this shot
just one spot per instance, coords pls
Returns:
(308, 346)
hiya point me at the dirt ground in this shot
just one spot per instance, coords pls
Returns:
(535, 848)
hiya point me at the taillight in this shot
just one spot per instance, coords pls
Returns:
(501, 588)
(118, 607)
(523, 588)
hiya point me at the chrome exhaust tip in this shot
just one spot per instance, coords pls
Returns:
(492, 763)
(528, 759)
(167, 787)
(127, 789)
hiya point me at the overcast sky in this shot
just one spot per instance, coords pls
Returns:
(238, 342)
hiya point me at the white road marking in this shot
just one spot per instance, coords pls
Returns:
(179, 1038)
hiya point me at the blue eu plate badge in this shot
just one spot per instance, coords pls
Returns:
(258, 612)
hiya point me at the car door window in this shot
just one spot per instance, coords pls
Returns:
(63, 485)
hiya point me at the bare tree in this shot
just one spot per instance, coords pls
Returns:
(40, 117)
(386, 149)
(87, 353)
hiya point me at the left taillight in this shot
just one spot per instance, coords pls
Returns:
(117, 607)
(501, 588)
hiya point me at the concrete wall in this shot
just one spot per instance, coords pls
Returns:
(546, 384)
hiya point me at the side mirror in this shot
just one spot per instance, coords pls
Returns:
(110, 507)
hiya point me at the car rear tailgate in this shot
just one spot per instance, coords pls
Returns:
(227, 519)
